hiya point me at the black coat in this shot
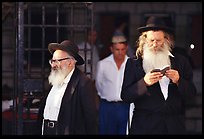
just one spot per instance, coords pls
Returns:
(79, 110)
(152, 112)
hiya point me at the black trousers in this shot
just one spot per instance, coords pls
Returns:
(50, 127)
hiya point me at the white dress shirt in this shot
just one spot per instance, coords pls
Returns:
(54, 99)
(109, 78)
(164, 83)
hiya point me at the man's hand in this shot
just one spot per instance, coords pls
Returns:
(173, 75)
(152, 77)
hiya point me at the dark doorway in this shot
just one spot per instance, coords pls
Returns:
(108, 24)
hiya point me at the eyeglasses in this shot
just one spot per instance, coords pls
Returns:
(57, 61)
(152, 41)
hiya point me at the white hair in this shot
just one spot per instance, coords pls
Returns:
(58, 75)
(158, 59)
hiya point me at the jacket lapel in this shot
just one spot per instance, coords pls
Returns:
(173, 64)
(65, 109)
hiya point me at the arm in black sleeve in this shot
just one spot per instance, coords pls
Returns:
(185, 85)
(133, 83)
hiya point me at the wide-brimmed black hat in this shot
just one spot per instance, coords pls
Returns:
(156, 23)
(69, 47)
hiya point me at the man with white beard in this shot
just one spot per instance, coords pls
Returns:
(70, 107)
(158, 96)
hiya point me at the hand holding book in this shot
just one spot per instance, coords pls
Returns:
(161, 70)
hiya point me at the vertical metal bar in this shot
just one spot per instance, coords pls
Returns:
(19, 66)
(43, 42)
(85, 38)
(57, 20)
(14, 110)
(89, 22)
(92, 26)
(71, 20)
(29, 40)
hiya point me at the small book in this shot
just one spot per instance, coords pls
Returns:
(163, 70)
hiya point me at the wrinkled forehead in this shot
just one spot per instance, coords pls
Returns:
(60, 54)
(155, 35)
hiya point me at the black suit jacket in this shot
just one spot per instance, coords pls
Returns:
(152, 112)
(79, 109)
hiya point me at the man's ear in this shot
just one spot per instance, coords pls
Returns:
(71, 63)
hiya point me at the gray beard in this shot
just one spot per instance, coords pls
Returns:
(158, 59)
(57, 76)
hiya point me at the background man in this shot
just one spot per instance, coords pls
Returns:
(113, 112)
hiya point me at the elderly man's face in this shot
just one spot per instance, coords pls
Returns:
(59, 59)
(155, 40)
(60, 67)
(156, 51)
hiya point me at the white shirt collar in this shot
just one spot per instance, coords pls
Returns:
(111, 58)
(170, 54)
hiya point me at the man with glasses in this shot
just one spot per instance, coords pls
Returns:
(158, 82)
(70, 107)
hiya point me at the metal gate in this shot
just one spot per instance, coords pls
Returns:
(37, 25)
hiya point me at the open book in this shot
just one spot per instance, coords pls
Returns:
(163, 70)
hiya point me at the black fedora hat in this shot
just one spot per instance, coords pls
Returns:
(69, 47)
(156, 23)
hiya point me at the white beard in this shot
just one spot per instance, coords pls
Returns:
(57, 76)
(155, 60)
